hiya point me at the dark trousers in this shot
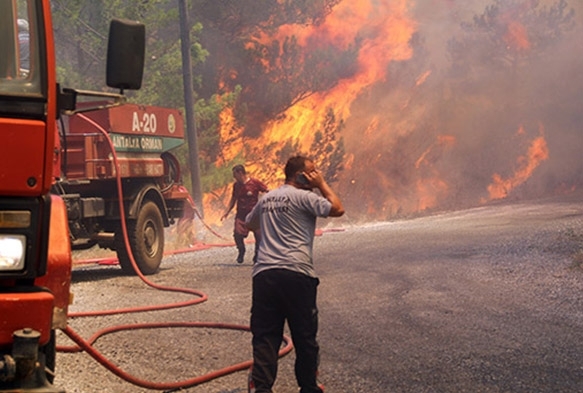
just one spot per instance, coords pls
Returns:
(240, 234)
(280, 295)
(240, 243)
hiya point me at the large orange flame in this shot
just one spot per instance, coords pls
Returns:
(388, 28)
(537, 153)
(393, 29)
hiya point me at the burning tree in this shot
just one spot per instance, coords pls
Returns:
(328, 147)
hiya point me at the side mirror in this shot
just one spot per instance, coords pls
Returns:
(125, 54)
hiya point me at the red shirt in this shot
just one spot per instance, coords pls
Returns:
(247, 194)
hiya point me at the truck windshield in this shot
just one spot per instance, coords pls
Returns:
(20, 62)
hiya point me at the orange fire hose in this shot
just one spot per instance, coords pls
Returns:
(86, 345)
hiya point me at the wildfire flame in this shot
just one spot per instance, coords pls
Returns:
(389, 28)
(526, 164)
(231, 136)
(392, 28)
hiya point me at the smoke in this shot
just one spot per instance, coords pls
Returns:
(441, 104)
(437, 135)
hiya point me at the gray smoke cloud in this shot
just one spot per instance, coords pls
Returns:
(479, 91)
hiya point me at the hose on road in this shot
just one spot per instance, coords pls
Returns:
(87, 345)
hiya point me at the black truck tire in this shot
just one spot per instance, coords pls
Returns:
(50, 352)
(146, 238)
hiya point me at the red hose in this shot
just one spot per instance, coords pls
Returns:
(86, 345)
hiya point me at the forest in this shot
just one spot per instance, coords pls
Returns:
(407, 106)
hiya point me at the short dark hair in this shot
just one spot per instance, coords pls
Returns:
(294, 165)
(239, 168)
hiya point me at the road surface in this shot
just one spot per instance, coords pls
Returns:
(483, 300)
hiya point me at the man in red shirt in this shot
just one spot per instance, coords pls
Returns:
(245, 194)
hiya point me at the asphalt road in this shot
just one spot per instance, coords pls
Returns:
(484, 300)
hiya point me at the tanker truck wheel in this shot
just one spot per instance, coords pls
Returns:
(146, 237)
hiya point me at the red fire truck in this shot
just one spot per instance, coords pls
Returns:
(57, 186)
(140, 137)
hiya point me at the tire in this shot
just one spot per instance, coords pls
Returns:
(50, 352)
(146, 238)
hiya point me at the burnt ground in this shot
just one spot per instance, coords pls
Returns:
(482, 300)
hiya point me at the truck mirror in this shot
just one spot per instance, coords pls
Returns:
(125, 54)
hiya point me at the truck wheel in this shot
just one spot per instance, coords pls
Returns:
(50, 352)
(146, 237)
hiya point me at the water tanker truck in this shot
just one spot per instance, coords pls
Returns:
(153, 197)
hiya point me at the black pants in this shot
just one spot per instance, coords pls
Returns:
(280, 295)
(240, 233)
(240, 243)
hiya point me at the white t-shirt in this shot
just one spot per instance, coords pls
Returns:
(287, 218)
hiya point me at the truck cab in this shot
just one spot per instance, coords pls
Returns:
(35, 249)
